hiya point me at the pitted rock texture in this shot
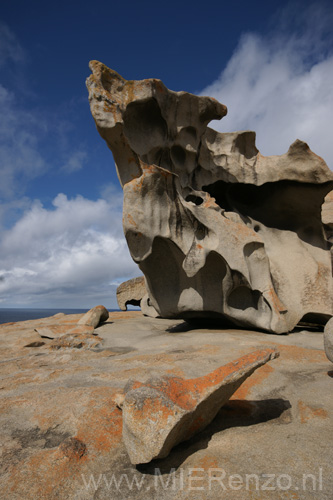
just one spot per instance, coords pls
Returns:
(163, 412)
(131, 292)
(217, 229)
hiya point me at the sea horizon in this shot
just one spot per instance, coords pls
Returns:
(15, 314)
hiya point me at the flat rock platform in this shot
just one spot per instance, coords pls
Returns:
(61, 428)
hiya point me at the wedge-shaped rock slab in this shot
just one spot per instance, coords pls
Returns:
(165, 411)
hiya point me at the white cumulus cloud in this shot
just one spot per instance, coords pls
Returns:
(281, 85)
(69, 256)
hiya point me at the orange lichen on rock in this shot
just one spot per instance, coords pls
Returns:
(309, 412)
(207, 462)
(300, 354)
(72, 448)
(100, 427)
(116, 315)
(162, 412)
(187, 393)
(257, 378)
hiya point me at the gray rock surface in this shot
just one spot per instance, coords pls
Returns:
(217, 229)
(162, 412)
(328, 339)
(131, 292)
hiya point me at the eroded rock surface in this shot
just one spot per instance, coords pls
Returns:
(217, 229)
(163, 412)
(131, 292)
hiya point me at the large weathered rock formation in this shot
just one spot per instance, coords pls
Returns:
(131, 292)
(217, 229)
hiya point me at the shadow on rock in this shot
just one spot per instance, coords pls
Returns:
(236, 413)
(192, 324)
(202, 324)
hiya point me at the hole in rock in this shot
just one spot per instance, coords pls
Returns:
(187, 136)
(133, 302)
(243, 297)
(314, 320)
(285, 205)
(144, 126)
(197, 200)
(178, 155)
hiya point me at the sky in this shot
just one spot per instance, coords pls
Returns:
(61, 237)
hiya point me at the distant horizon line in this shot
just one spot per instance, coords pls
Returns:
(56, 308)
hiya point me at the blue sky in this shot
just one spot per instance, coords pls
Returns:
(61, 240)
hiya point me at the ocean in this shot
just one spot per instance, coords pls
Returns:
(12, 315)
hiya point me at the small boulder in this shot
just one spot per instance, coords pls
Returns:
(163, 412)
(328, 339)
(94, 316)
